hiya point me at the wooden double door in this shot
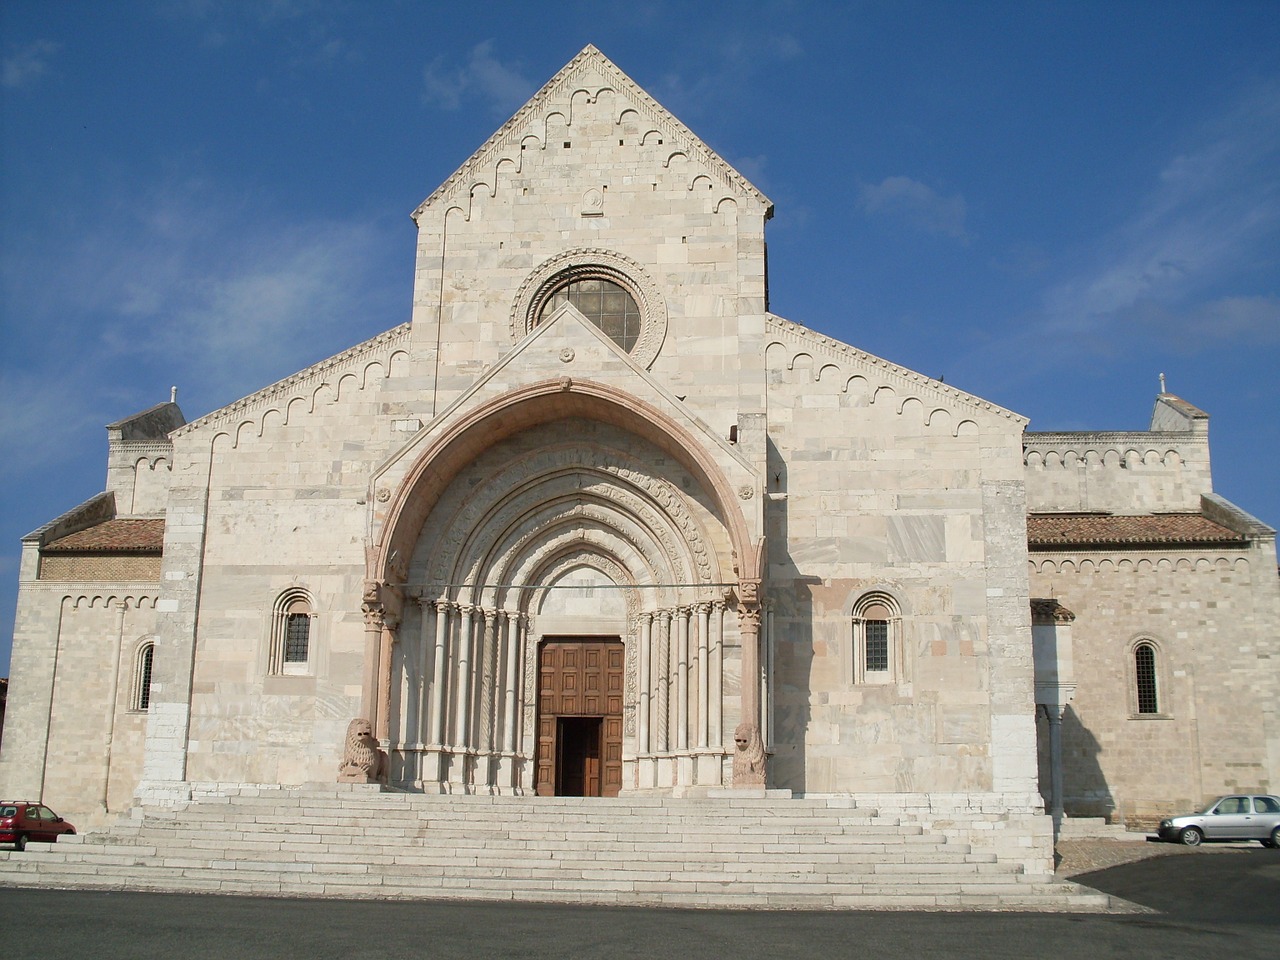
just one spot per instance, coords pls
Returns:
(580, 698)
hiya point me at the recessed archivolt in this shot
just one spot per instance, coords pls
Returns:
(495, 492)
(531, 518)
(551, 566)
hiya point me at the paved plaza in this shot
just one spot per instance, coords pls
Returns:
(1212, 903)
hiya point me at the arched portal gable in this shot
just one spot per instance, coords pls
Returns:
(397, 530)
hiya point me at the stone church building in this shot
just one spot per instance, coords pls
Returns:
(596, 522)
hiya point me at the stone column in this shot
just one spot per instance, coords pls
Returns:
(511, 682)
(436, 731)
(682, 681)
(426, 636)
(462, 730)
(488, 681)
(386, 643)
(372, 641)
(642, 711)
(717, 677)
(1053, 713)
(749, 767)
(766, 676)
(662, 671)
(704, 659)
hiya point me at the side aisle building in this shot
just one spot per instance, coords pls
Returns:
(597, 522)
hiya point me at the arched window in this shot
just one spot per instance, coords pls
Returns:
(613, 292)
(1144, 674)
(877, 640)
(140, 696)
(291, 633)
(608, 305)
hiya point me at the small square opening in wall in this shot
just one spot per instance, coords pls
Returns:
(566, 144)
(620, 143)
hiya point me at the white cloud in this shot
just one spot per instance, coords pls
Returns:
(483, 76)
(1191, 268)
(186, 284)
(1211, 217)
(723, 70)
(28, 64)
(917, 204)
(1244, 319)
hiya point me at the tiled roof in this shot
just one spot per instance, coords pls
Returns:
(1050, 530)
(113, 536)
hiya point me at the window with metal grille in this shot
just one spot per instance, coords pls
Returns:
(1144, 669)
(142, 677)
(292, 637)
(876, 639)
(297, 635)
(606, 304)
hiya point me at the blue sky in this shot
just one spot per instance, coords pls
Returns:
(1047, 204)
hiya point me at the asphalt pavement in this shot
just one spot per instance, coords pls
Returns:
(1209, 907)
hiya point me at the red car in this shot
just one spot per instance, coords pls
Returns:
(22, 820)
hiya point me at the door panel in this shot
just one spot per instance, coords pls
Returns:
(580, 703)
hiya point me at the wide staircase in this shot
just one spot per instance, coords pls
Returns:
(358, 842)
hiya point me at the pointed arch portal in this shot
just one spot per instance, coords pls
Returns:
(547, 605)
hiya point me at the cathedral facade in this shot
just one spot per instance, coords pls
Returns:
(596, 522)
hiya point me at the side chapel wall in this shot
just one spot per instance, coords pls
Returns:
(880, 480)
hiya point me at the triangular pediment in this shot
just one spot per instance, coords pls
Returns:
(568, 347)
(581, 82)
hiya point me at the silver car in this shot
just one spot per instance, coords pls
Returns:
(1237, 817)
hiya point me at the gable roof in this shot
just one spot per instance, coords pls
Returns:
(593, 72)
(113, 536)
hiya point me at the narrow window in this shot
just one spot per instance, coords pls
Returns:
(297, 633)
(877, 644)
(877, 640)
(1144, 664)
(291, 634)
(142, 677)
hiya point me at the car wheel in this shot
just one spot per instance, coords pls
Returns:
(20, 844)
(1192, 836)
(1275, 838)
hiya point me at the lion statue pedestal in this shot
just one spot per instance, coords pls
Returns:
(362, 761)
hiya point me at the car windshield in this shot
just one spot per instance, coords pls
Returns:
(1211, 806)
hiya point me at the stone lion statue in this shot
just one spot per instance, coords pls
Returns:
(748, 757)
(362, 761)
